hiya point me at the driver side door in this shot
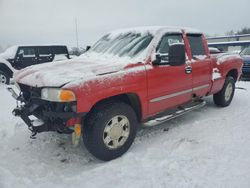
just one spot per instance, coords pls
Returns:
(168, 86)
(26, 56)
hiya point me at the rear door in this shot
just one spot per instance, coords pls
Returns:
(168, 86)
(201, 64)
(45, 54)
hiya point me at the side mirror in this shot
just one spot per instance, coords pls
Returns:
(87, 48)
(177, 55)
(156, 59)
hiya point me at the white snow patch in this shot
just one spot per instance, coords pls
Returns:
(60, 57)
(200, 57)
(216, 74)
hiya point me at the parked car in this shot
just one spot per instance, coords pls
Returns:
(19, 57)
(245, 54)
(128, 78)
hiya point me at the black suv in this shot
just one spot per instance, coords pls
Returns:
(19, 57)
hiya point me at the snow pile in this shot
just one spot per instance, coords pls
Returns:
(60, 57)
(8, 122)
(208, 147)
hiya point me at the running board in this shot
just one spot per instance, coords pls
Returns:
(168, 115)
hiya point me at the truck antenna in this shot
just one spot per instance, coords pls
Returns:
(77, 44)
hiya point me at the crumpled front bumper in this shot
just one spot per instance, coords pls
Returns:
(48, 116)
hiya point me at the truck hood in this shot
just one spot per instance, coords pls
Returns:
(57, 74)
(7, 63)
(2, 59)
(5, 56)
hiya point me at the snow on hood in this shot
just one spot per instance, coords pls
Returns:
(9, 53)
(4, 61)
(57, 74)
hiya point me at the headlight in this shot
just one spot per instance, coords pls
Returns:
(57, 95)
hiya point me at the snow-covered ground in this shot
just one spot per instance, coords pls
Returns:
(209, 147)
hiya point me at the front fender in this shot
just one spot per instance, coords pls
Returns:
(90, 92)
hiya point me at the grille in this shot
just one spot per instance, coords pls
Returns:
(29, 92)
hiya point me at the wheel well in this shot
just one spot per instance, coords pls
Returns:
(128, 98)
(233, 73)
(6, 69)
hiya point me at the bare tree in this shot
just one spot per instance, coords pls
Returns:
(244, 30)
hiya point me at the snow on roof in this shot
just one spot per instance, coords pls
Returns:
(27, 45)
(154, 29)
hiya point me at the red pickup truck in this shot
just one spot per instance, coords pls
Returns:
(130, 77)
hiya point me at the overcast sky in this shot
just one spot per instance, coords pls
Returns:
(53, 21)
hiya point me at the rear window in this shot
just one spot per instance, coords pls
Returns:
(59, 50)
(196, 45)
(44, 51)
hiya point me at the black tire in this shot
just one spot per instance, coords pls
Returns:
(94, 126)
(221, 98)
(4, 78)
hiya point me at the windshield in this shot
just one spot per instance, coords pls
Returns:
(246, 51)
(125, 44)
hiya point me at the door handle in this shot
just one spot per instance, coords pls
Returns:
(188, 70)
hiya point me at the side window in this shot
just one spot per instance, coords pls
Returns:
(166, 42)
(196, 45)
(44, 51)
(27, 52)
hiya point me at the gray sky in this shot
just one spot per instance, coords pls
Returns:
(53, 21)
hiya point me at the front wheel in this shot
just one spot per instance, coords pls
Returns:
(4, 78)
(109, 130)
(225, 96)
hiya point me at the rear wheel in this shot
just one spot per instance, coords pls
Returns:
(224, 97)
(4, 78)
(110, 130)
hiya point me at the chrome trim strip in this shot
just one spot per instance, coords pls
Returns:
(171, 95)
(200, 87)
(178, 93)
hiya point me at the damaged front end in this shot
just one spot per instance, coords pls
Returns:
(44, 115)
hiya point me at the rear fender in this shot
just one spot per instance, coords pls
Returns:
(231, 66)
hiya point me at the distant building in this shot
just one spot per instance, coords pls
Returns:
(235, 43)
